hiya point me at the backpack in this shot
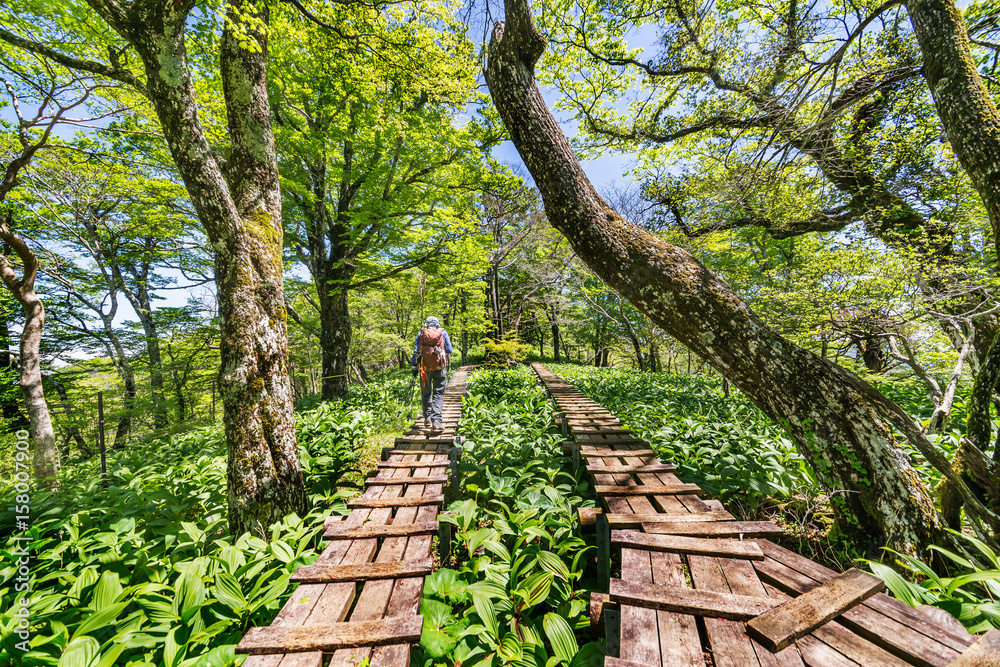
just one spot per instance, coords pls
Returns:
(432, 349)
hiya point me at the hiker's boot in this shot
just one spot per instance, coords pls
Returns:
(437, 425)
(427, 422)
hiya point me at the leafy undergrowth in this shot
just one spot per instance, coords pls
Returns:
(145, 571)
(514, 594)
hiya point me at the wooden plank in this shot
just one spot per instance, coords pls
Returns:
(610, 661)
(711, 528)
(330, 636)
(984, 653)
(617, 453)
(781, 626)
(362, 572)
(727, 640)
(396, 502)
(809, 574)
(419, 452)
(742, 580)
(621, 520)
(688, 545)
(646, 489)
(398, 481)
(340, 532)
(413, 464)
(685, 600)
(901, 640)
(651, 467)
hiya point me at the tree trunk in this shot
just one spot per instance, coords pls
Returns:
(142, 305)
(241, 214)
(967, 112)
(45, 456)
(73, 431)
(335, 339)
(842, 425)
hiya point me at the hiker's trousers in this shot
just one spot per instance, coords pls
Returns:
(432, 394)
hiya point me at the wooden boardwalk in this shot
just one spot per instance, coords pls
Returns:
(700, 589)
(361, 599)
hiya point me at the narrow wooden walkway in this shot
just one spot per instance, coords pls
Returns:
(361, 599)
(692, 577)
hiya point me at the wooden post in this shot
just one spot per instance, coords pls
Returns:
(386, 453)
(444, 541)
(100, 435)
(576, 457)
(603, 553)
(456, 476)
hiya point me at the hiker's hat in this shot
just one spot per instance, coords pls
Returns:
(431, 323)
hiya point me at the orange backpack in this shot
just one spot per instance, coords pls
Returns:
(432, 349)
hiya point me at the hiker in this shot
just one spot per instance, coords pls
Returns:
(431, 354)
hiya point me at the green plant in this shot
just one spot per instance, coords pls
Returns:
(143, 572)
(506, 352)
(970, 596)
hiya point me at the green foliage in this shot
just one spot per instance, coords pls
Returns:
(145, 572)
(506, 352)
(514, 594)
(971, 595)
(726, 445)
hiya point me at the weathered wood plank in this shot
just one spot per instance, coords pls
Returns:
(636, 520)
(808, 574)
(727, 639)
(340, 532)
(688, 600)
(330, 636)
(742, 580)
(779, 627)
(902, 640)
(590, 449)
(688, 545)
(645, 489)
(362, 572)
(413, 464)
(398, 481)
(396, 502)
(984, 653)
(651, 467)
(711, 528)
(420, 452)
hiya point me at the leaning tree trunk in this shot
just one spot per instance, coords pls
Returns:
(241, 214)
(841, 424)
(45, 456)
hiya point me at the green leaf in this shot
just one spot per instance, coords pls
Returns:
(486, 613)
(282, 551)
(435, 639)
(106, 591)
(80, 652)
(446, 584)
(228, 592)
(553, 563)
(560, 635)
(99, 619)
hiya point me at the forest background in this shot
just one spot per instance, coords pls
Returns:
(226, 209)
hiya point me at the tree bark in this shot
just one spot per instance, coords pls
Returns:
(241, 213)
(967, 112)
(45, 455)
(842, 425)
(335, 339)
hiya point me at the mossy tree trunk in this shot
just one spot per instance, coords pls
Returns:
(842, 425)
(240, 209)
